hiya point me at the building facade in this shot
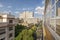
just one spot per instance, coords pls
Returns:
(26, 14)
(52, 17)
(7, 29)
(31, 20)
(28, 18)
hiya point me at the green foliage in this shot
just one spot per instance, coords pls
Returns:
(34, 28)
(25, 35)
(18, 29)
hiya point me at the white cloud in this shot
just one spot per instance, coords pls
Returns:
(35, 12)
(39, 10)
(17, 12)
(43, 1)
(6, 11)
(1, 5)
(30, 8)
(18, 9)
(24, 9)
(9, 6)
(27, 9)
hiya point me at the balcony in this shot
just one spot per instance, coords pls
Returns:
(2, 24)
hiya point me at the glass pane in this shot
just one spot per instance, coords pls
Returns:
(58, 4)
(58, 26)
(58, 20)
(53, 1)
(52, 15)
(53, 12)
(58, 8)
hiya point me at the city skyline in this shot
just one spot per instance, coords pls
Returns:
(17, 6)
(29, 19)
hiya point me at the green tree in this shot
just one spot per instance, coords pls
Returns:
(34, 28)
(18, 29)
(25, 35)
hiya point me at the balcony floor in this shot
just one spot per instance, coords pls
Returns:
(48, 35)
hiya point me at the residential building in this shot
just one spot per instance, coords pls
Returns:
(28, 18)
(26, 14)
(7, 26)
(31, 20)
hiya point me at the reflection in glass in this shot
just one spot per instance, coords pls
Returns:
(58, 18)
(53, 1)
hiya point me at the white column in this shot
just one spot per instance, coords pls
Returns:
(55, 15)
(7, 33)
(13, 32)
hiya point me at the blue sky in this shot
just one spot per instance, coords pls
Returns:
(16, 6)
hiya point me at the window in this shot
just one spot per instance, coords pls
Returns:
(2, 39)
(53, 14)
(58, 4)
(10, 35)
(2, 31)
(53, 1)
(58, 8)
(10, 21)
(10, 28)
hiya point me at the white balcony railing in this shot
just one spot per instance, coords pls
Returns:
(3, 24)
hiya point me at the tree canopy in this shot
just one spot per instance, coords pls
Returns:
(26, 34)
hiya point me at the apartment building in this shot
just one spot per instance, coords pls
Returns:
(28, 18)
(52, 17)
(26, 14)
(7, 23)
(31, 20)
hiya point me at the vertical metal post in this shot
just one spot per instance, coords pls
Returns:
(55, 15)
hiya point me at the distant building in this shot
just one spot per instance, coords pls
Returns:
(32, 20)
(26, 14)
(7, 29)
(28, 18)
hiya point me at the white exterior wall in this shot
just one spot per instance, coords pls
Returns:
(5, 24)
(4, 18)
(1, 20)
(6, 35)
(26, 14)
(31, 20)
